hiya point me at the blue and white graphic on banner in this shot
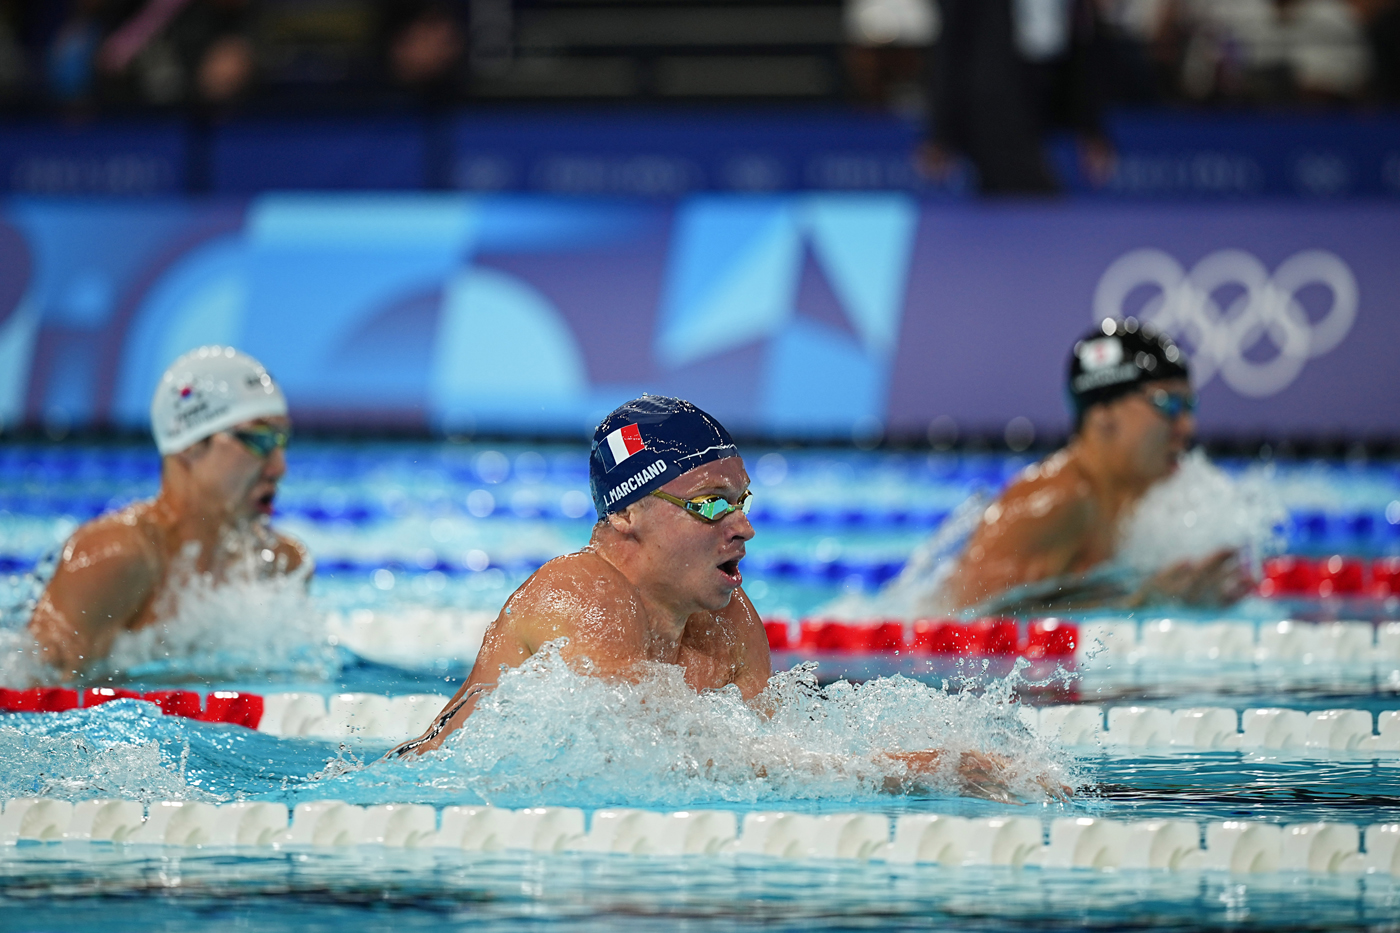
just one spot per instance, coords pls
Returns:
(819, 281)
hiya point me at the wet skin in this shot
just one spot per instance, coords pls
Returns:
(1061, 516)
(114, 568)
(657, 584)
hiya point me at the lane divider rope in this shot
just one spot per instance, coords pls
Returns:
(1320, 733)
(1284, 577)
(1241, 847)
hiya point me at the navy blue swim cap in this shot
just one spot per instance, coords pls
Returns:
(646, 443)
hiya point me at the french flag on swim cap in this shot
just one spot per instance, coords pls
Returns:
(621, 444)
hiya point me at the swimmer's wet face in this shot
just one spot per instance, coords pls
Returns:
(229, 473)
(696, 562)
(1151, 441)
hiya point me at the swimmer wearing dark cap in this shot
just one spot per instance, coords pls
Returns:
(660, 581)
(1130, 391)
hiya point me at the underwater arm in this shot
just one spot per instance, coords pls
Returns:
(104, 579)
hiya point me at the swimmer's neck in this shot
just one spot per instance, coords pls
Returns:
(186, 514)
(666, 616)
(1108, 468)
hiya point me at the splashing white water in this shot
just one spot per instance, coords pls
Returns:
(1201, 509)
(916, 590)
(1197, 511)
(75, 766)
(250, 620)
(549, 733)
(252, 617)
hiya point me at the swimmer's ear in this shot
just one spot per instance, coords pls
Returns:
(624, 521)
(1101, 419)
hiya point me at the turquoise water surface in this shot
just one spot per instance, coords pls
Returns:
(403, 527)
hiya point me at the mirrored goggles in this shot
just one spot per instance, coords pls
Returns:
(1172, 405)
(261, 441)
(709, 508)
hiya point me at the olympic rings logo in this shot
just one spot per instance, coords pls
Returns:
(1261, 311)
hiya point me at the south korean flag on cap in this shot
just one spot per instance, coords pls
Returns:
(621, 444)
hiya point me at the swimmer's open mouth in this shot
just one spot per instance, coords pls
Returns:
(730, 569)
(265, 502)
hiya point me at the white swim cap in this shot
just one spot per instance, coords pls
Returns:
(210, 390)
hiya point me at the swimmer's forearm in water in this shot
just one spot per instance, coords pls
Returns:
(1216, 580)
(442, 724)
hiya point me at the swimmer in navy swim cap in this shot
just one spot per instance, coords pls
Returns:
(220, 424)
(1134, 416)
(660, 581)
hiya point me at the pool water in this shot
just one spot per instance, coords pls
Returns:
(401, 528)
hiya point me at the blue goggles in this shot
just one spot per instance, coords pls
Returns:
(1171, 405)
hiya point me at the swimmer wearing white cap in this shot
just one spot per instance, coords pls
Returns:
(220, 424)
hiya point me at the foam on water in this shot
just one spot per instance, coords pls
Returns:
(551, 734)
(252, 618)
(111, 751)
(1201, 509)
(1197, 511)
(249, 621)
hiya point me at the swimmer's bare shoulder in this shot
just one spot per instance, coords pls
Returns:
(579, 596)
(110, 570)
(1041, 526)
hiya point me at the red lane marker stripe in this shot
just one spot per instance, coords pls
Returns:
(96, 696)
(240, 709)
(1044, 638)
(177, 702)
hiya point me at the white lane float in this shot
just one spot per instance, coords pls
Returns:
(1233, 846)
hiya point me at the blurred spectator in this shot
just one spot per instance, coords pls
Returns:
(425, 49)
(180, 51)
(14, 71)
(71, 52)
(1325, 47)
(1006, 73)
(1259, 51)
(1381, 19)
(888, 43)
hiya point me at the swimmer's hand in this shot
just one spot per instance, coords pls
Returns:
(1217, 580)
(981, 774)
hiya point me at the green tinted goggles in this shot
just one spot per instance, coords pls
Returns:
(262, 441)
(709, 508)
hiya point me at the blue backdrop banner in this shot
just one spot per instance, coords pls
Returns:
(813, 315)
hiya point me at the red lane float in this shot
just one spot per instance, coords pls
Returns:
(227, 706)
(1041, 638)
(1334, 576)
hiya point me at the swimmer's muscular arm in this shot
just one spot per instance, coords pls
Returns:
(1037, 530)
(579, 596)
(108, 573)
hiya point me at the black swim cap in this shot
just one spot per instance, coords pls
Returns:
(1115, 358)
(645, 444)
